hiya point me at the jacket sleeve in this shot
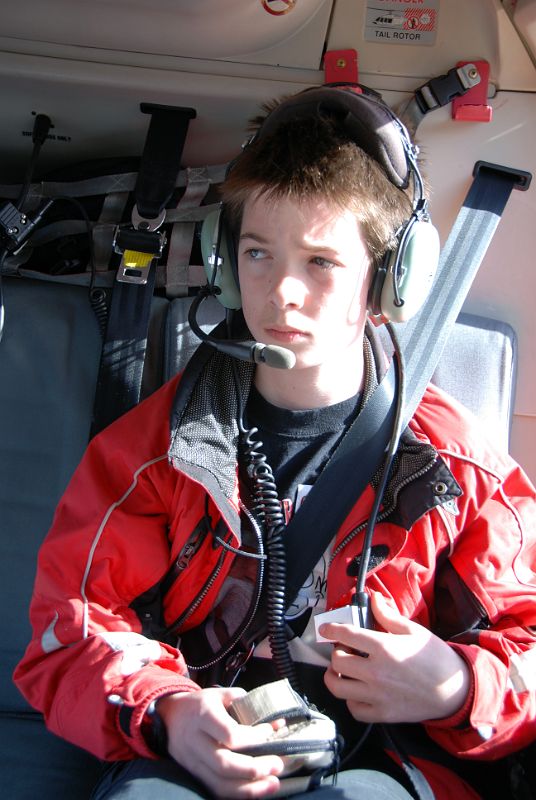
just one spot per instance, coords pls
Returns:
(88, 659)
(494, 582)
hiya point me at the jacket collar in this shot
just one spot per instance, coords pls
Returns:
(420, 480)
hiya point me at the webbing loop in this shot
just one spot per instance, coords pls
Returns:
(161, 158)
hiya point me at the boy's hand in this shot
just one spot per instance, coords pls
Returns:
(202, 737)
(409, 674)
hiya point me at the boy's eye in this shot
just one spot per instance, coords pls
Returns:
(323, 263)
(255, 253)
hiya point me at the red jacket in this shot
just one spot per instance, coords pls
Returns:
(135, 553)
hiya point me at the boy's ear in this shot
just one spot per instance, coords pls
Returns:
(411, 266)
(219, 259)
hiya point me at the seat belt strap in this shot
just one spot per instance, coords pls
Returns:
(422, 339)
(161, 158)
(413, 773)
(438, 92)
(344, 478)
(123, 353)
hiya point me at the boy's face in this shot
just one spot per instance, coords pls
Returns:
(304, 273)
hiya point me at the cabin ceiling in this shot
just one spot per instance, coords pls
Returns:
(88, 64)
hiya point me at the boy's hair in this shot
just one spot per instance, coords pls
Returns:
(314, 158)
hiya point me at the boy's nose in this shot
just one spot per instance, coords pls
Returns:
(288, 291)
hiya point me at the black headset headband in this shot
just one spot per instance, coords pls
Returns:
(367, 120)
(402, 280)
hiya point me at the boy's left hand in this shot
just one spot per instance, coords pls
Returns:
(409, 674)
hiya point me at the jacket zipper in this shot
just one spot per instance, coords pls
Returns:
(185, 555)
(237, 637)
(385, 513)
(198, 600)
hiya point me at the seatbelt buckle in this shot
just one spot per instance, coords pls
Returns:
(442, 90)
(138, 246)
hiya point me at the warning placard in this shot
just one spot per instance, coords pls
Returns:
(401, 21)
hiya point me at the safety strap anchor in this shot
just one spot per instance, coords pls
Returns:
(520, 177)
(138, 246)
(138, 250)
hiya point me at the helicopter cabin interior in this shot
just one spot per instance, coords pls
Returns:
(80, 82)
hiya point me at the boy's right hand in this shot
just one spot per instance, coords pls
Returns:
(202, 737)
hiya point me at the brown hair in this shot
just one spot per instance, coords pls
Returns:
(310, 158)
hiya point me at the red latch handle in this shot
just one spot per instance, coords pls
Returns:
(340, 66)
(473, 105)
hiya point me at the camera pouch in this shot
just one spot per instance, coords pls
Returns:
(308, 743)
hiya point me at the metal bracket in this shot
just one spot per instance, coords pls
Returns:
(138, 246)
(522, 177)
(340, 66)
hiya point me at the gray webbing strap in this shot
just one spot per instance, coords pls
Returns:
(123, 354)
(102, 184)
(103, 231)
(423, 338)
(173, 275)
(340, 483)
(64, 227)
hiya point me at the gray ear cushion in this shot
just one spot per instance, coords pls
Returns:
(367, 120)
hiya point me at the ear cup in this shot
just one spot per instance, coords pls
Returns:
(415, 264)
(222, 273)
(376, 287)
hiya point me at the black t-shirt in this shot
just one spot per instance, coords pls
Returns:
(298, 444)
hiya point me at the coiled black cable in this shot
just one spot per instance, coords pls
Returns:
(268, 512)
(97, 298)
(267, 507)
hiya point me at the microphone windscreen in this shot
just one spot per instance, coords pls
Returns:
(274, 356)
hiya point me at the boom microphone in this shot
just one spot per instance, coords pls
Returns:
(256, 352)
(249, 350)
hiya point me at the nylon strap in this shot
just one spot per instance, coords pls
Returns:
(64, 227)
(102, 184)
(413, 773)
(161, 159)
(176, 269)
(103, 231)
(342, 481)
(123, 354)
(424, 337)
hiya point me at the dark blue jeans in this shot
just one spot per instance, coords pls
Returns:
(144, 778)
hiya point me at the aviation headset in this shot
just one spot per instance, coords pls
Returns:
(403, 279)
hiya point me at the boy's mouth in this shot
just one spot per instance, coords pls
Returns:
(285, 333)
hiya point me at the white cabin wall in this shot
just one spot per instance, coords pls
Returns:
(505, 285)
(89, 65)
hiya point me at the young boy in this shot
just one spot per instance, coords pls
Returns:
(167, 520)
